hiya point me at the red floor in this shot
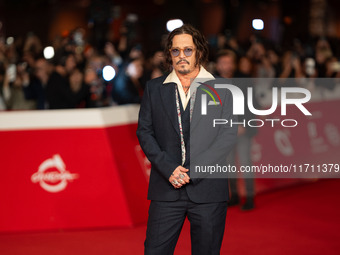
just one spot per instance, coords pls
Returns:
(298, 220)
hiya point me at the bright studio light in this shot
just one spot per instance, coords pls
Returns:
(258, 24)
(49, 52)
(108, 73)
(173, 24)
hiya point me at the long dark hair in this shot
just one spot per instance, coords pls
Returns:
(199, 40)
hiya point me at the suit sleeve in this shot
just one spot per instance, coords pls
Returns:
(160, 160)
(223, 143)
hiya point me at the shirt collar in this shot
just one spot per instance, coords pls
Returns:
(203, 74)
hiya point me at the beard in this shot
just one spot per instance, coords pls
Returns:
(183, 71)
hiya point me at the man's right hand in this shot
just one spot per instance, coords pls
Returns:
(179, 177)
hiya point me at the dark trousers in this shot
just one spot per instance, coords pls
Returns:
(207, 222)
(242, 149)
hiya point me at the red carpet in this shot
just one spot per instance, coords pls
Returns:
(298, 220)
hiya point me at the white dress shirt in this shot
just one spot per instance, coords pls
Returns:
(172, 77)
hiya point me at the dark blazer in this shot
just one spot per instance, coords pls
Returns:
(159, 137)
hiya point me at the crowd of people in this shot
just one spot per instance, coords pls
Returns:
(73, 77)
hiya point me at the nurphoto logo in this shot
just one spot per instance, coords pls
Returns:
(239, 104)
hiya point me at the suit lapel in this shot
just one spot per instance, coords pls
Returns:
(169, 102)
(196, 114)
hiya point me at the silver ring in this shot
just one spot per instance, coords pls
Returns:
(176, 182)
(181, 176)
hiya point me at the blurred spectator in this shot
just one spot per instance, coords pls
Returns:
(332, 68)
(112, 54)
(245, 68)
(274, 61)
(226, 63)
(256, 51)
(158, 65)
(59, 93)
(227, 41)
(309, 68)
(35, 88)
(67, 65)
(322, 53)
(226, 67)
(2, 73)
(93, 77)
(80, 90)
(13, 89)
(127, 87)
(32, 44)
(291, 66)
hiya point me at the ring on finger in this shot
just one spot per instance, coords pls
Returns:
(181, 176)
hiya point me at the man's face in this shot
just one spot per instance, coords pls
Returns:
(225, 66)
(183, 44)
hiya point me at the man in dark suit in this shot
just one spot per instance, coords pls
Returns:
(170, 113)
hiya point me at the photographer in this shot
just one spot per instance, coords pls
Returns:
(14, 79)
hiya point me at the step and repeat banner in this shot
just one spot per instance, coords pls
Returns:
(67, 169)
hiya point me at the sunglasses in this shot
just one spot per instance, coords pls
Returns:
(187, 51)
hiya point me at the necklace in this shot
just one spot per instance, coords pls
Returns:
(186, 89)
(192, 99)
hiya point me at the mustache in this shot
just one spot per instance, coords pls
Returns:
(182, 60)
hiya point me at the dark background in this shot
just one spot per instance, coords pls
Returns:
(284, 20)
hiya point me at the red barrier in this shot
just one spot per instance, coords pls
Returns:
(64, 176)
